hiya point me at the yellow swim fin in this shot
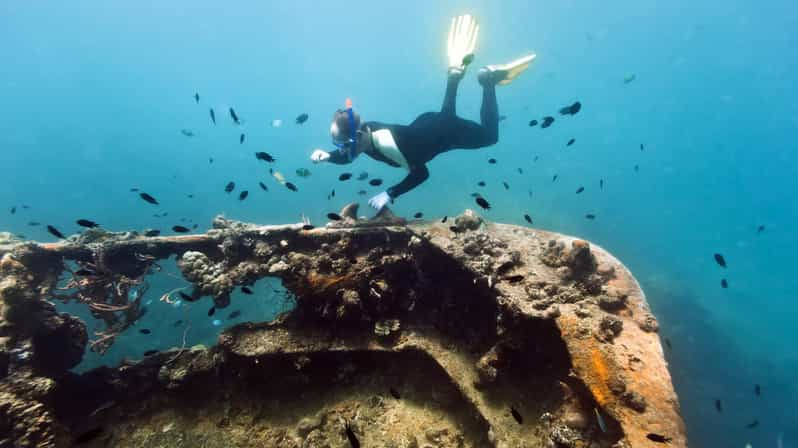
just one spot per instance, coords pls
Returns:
(462, 40)
(505, 73)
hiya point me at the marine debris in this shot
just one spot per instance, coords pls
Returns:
(404, 334)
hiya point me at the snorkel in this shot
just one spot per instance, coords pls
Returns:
(350, 145)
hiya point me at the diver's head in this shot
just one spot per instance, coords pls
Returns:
(345, 128)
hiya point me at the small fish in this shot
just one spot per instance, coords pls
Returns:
(760, 229)
(34, 223)
(332, 193)
(210, 160)
(180, 229)
(234, 116)
(362, 192)
(89, 435)
(718, 406)
(601, 184)
(265, 156)
(229, 187)
(724, 283)
(668, 344)
(290, 186)
(186, 297)
(334, 216)
(152, 232)
(302, 118)
(658, 438)
(483, 203)
(308, 227)
(87, 223)
(475, 195)
(246, 290)
(517, 415)
(520, 171)
(25, 206)
(148, 198)
(444, 219)
(212, 311)
(241, 139)
(454, 229)
(150, 352)
(145, 331)
(629, 78)
(468, 59)
(394, 393)
(642, 148)
(190, 196)
(502, 117)
(303, 172)
(602, 425)
(187, 132)
(492, 161)
(194, 226)
(345, 176)
(133, 190)
(506, 187)
(512, 279)
(570, 142)
(353, 441)
(363, 176)
(590, 216)
(528, 219)
(547, 121)
(481, 183)
(757, 390)
(533, 123)
(263, 186)
(553, 178)
(178, 323)
(573, 109)
(243, 195)
(637, 168)
(418, 215)
(720, 260)
(536, 158)
(53, 231)
(753, 424)
(216, 322)
(375, 182)
(213, 116)
(85, 273)
(196, 97)
(580, 189)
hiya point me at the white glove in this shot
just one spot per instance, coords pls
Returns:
(380, 200)
(319, 156)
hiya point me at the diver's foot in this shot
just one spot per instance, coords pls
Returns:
(505, 73)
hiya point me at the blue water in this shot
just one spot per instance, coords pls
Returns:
(94, 95)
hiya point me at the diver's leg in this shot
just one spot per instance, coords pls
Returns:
(450, 98)
(466, 134)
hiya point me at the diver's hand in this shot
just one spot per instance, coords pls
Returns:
(380, 200)
(319, 156)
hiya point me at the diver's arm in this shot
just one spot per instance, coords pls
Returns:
(417, 175)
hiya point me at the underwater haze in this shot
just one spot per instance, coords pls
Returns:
(688, 120)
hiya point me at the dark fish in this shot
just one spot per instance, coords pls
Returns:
(34, 223)
(475, 195)
(234, 314)
(637, 168)
(243, 195)
(502, 117)
(658, 438)
(180, 229)
(394, 393)
(178, 323)
(187, 132)
(418, 215)
(454, 229)
(190, 196)
(520, 171)
(210, 160)
(265, 156)
(213, 116)
(150, 352)
(53, 231)
(547, 121)
(148, 198)
(194, 226)
(375, 182)
(362, 192)
(483, 203)
(332, 193)
(513, 278)
(290, 186)
(757, 390)
(89, 435)
(85, 272)
(724, 283)
(241, 139)
(641, 147)
(718, 406)
(363, 176)
(668, 343)
(308, 227)
(601, 184)
(536, 158)
(570, 142)
(334, 216)
(25, 206)
(229, 187)
(345, 176)
(720, 260)
(553, 178)
(134, 190)
(234, 116)
(153, 232)
(186, 297)
(351, 436)
(753, 424)
(481, 183)
(760, 229)
(444, 219)
(492, 161)
(506, 187)
(528, 219)
(573, 109)
(145, 331)
(196, 97)
(263, 186)
(302, 118)
(517, 415)
(87, 223)
(212, 311)
(533, 123)
(13, 210)
(590, 216)
(246, 290)
(580, 189)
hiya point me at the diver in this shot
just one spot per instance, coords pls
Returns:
(432, 133)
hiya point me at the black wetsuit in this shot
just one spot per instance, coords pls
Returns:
(433, 133)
